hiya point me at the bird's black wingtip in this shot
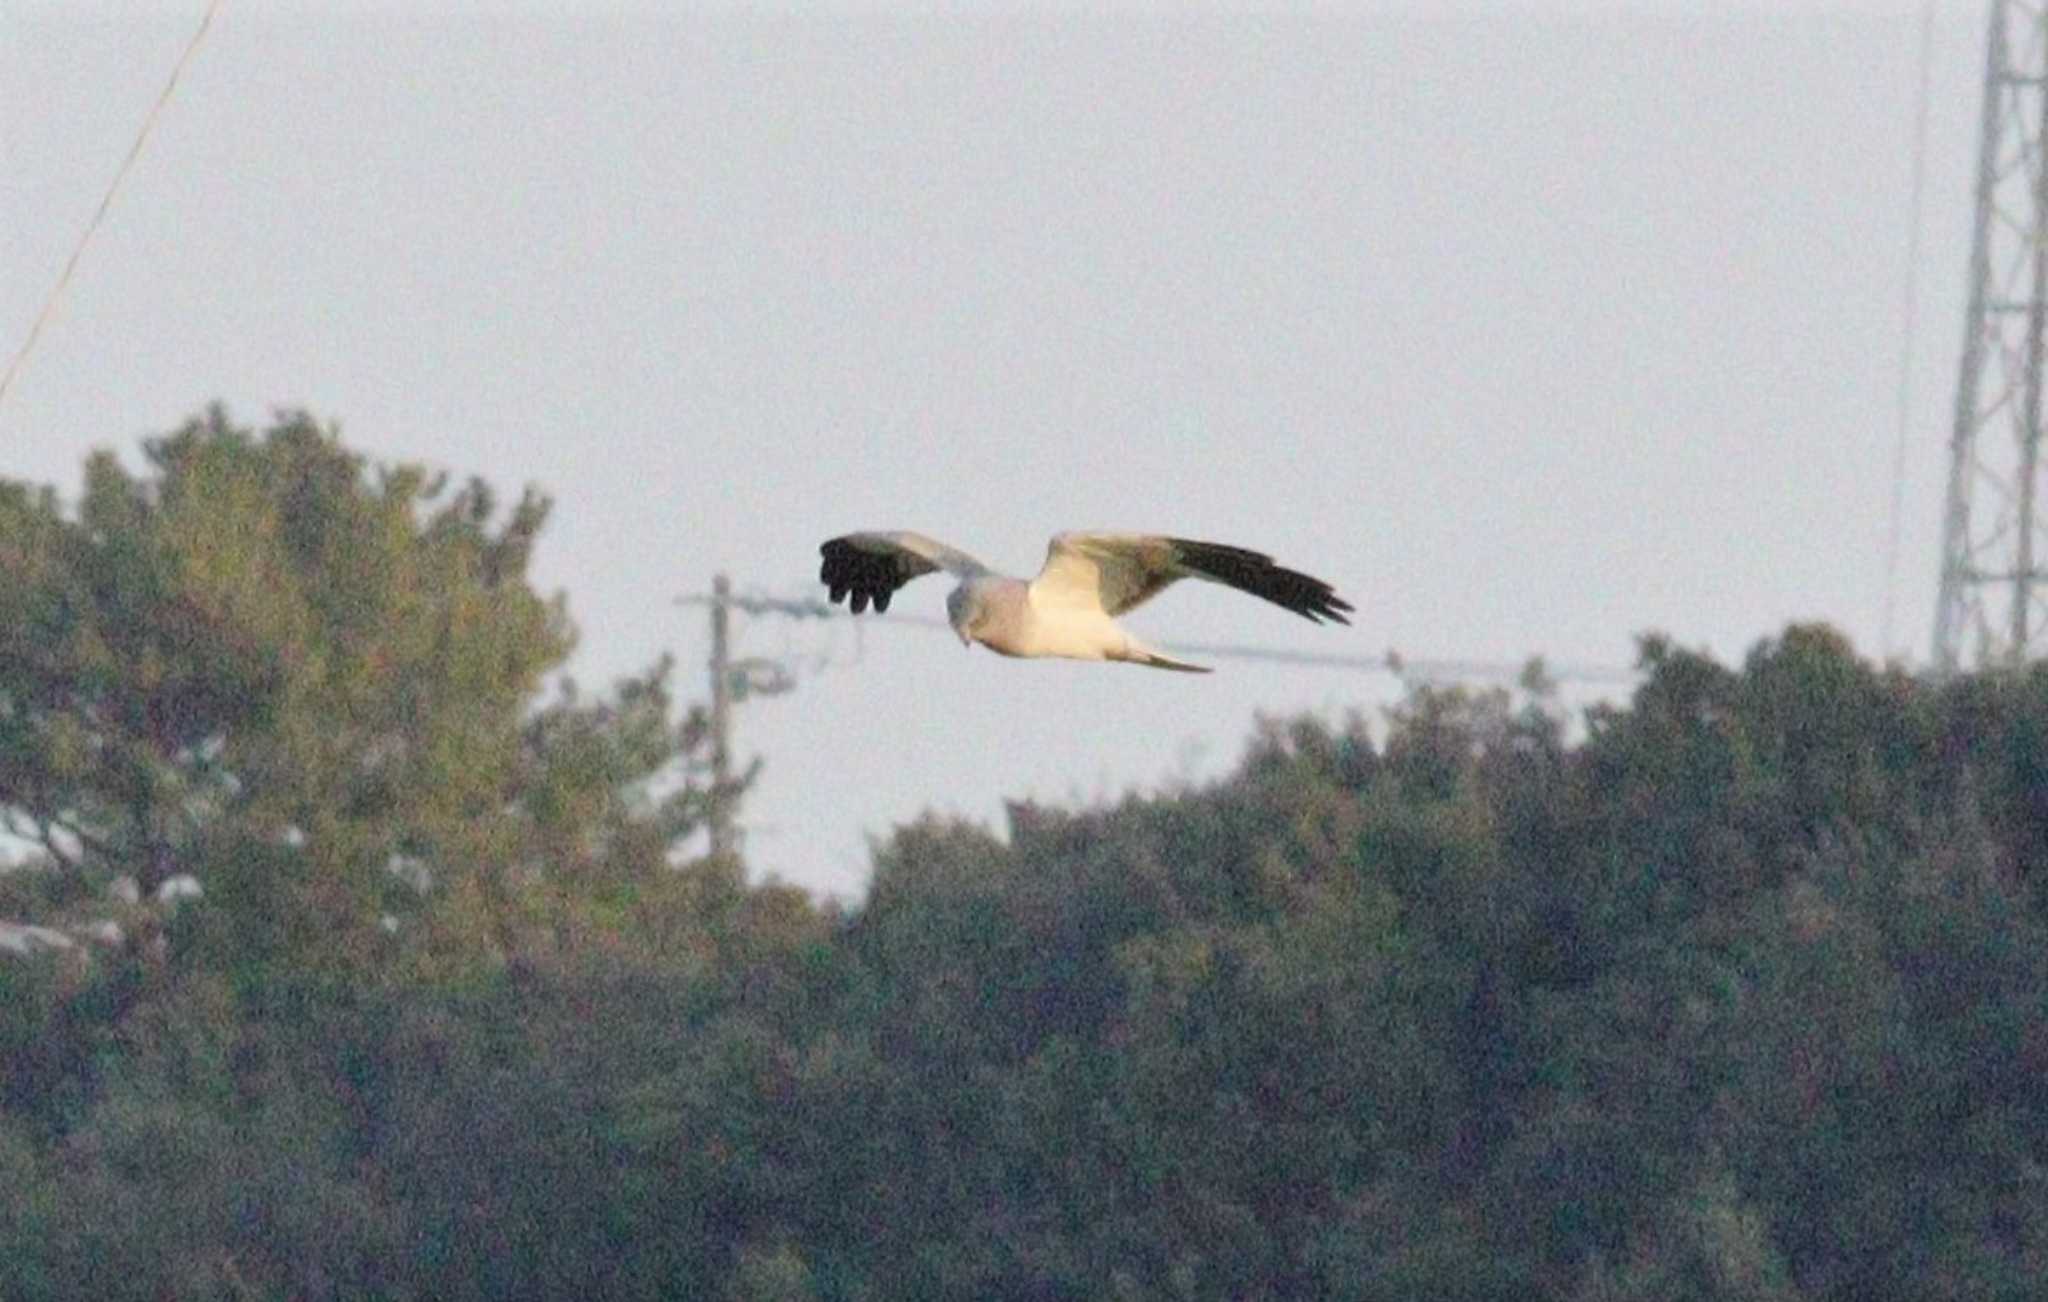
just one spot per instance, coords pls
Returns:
(1335, 609)
(857, 576)
(1260, 575)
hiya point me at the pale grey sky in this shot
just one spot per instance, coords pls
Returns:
(1531, 327)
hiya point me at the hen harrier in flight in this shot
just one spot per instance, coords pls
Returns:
(1070, 609)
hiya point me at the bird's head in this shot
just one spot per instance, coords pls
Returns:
(964, 611)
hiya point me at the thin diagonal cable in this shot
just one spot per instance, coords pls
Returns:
(1387, 662)
(35, 330)
(1909, 329)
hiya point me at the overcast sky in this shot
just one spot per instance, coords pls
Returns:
(1531, 327)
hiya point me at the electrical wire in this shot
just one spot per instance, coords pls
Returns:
(1388, 662)
(99, 215)
(1909, 327)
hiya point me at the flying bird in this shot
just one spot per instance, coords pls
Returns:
(1070, 609)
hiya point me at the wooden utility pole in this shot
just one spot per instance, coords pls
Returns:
(721, 719)
(732, 682)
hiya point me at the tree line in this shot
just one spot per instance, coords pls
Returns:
(1737, 990)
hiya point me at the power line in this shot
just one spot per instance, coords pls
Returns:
(99, 215)
(1391, 662)
(753, 603)
(1909, 327)
(1408, 669)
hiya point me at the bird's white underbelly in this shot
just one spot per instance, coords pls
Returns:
(1072, 635)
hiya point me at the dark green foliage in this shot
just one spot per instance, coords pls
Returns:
(308, 683)
(1741, 995)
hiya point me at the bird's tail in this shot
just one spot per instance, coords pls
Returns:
(1137, 653)
(1157, 661)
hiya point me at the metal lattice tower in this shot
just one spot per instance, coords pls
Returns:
(1993, 581)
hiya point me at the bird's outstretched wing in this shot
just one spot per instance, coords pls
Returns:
(1117, 571)
(869, 567)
